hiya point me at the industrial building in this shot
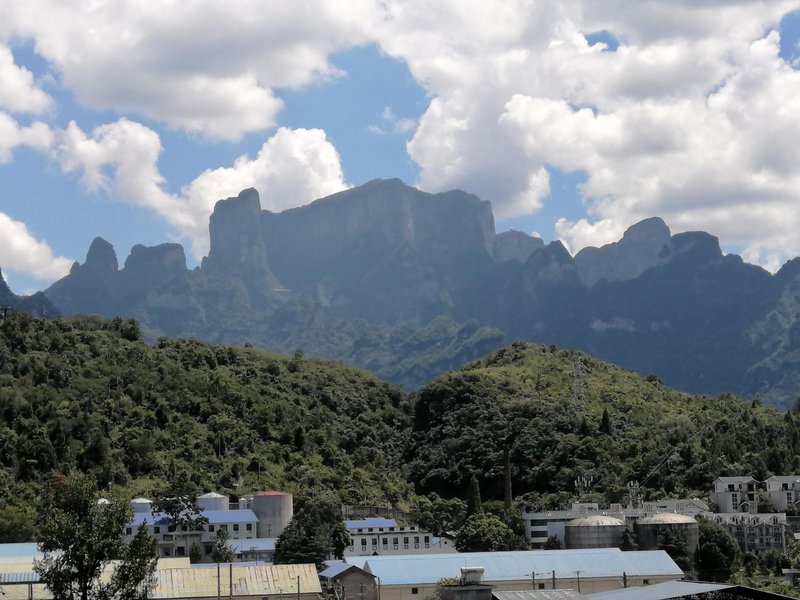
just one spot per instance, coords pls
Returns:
(592, 570)
(378, 536)
(252, 523)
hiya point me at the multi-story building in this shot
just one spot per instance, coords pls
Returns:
(376, 536)
(735, 495)
(754, 532)
(783, 491)
(252, 524)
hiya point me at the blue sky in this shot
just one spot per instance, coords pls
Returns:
(574, 120)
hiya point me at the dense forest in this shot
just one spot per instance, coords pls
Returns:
(86, 394)
(562, 415)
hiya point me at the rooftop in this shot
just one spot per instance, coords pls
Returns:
(517, 566)
(370, 522)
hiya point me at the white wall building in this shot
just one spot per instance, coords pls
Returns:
(755, 532)
(378, 536)
(783, 491)
(735, 494)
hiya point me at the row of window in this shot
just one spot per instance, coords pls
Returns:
(171, 528)
(395, 541)
(382, 529)
(394, 547)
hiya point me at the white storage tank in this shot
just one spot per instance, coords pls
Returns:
(213, 501)
(274, 511)
(594, 531)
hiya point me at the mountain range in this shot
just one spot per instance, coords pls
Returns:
(410, 284)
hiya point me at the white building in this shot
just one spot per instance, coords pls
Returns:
(735, 494)
(783, 491)
(755, 532)
(243, 521)
(378, 536)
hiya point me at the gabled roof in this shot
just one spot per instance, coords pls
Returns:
(740, 479)
(517, 566)
(255, 545)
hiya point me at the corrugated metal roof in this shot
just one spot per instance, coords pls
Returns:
(19, 577)
(261, 580)
(214, 517)
(517, 566)
(661, 591)
(335, 568)
(370, 522)
(539, 595)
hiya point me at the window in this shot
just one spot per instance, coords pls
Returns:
(427, 539)
(369, 529)
(385, 541)
(645, 582)
(540, 585)
(405, 540)
(211, 529)
(415, 590)
(224, 527)
(207, 548)
(171, 528)
(180, 551)
(156, 529)
(236, 527)
(128, 531)
(249, 527)
(166, 552)
(363, 541)
(416, 539)
(374, 541)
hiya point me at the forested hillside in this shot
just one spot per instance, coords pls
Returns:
(86, 394)
(562, 414)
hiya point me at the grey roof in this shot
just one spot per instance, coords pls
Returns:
(517, 566)
(666, 519)
(738, 479)
(784, 478)
(214, 517)
(661, 591)
(539, 595)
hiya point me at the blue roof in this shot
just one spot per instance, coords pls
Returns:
(18, 550)
(256, 545)
(661, 591)
(335, 567)
(230, 516)
(512, 566)
(370, 522)
(21, 577)
(214, 517)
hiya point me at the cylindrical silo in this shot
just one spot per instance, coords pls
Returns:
(213, 501)
(274, 511)
(141, 505)
(594, 531)
(651, 529)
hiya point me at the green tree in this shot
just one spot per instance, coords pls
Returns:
(78, 537)
(473, 497)
(440, 516)
(552, 543)
(486, 533)
(674, 544)
(605, 423)
(298, 544)
(717, 552)
(195, 552)
(17, 524)
(222, 551)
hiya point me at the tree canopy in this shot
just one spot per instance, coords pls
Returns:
(79, 535)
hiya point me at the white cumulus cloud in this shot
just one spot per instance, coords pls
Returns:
(202, 66)
(37, 135)
(120, 159)
(21, 252)
(18, 91)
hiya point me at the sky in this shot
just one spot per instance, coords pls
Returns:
(129, 119)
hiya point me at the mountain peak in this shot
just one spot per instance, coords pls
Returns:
(101, 256)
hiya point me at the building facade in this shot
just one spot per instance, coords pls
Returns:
(735, 495)
(783, 492)
(375, 536)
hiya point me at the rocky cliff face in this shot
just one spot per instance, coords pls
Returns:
(37, 304)
(643, 246)
(365, 274)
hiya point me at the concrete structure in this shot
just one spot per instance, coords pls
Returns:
(755, 532)
(378, 536)
(651, 528)
(415, 577)
(687, 589)
(274, 511)
(594, 531)
(735, 495)
(783, 492)
(539, 526)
